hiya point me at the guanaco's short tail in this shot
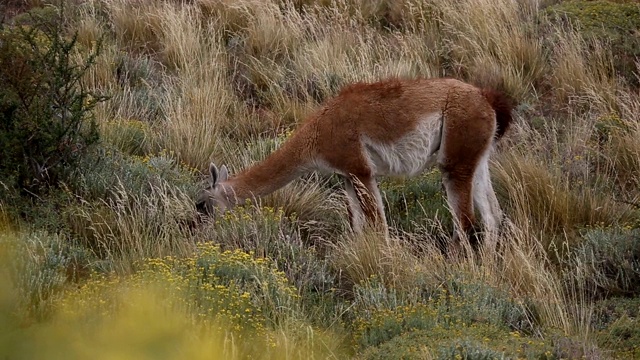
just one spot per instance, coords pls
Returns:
(502, 105)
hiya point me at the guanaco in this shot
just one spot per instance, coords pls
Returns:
(388, 128)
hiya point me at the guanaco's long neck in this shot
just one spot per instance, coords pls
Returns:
(289, 162)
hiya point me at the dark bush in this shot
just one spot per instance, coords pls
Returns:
(46, 121)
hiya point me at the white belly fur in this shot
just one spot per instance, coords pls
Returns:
(410, 155)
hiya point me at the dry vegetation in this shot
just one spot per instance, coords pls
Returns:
(194, 81)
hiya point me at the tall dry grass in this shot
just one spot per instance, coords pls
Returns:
(130, 226)
(495, 43)
(521, 267)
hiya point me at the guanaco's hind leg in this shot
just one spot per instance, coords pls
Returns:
(459, 187)
(468, 132)
(485, 199)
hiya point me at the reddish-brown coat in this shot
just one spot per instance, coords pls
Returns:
(385, 112)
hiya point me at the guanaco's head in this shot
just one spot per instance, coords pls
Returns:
(214, 198)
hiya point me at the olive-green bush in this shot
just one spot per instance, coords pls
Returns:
(46, 123)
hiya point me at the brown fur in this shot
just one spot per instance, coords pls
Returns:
(503, 106)
(468, 132)
(385, 112)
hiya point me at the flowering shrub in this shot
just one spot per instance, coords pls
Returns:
(228, 290)
(472, 318)
(213, 305)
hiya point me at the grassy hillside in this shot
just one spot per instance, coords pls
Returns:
(103, 252)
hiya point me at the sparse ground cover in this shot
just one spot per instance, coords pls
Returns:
(111, 110)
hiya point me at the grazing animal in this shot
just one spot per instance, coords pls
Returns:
(395, 128)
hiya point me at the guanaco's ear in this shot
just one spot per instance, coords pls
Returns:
(223, 175)
(218, 176)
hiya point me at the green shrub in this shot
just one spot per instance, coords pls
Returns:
(136, 90)
(268, 288)
(42, 212)
(611, 309)
(266, 232)
(413, 202)
(469, 350)
(106, 169)
(121, 206)
(609, 260)
(104, 186)
(42, 266)
(46, 123)
(623, 336)
(617, 322)
(458, 310)
(476, 341)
